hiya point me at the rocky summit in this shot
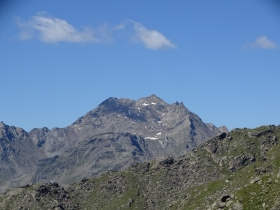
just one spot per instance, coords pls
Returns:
(239, 170)
(113, 136)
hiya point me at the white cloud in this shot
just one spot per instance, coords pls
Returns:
(51, 29)
(120, 26)
(265, 43)
(152, 39)
(262, 42)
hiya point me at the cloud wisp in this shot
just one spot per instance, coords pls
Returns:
(50, 29)
(152, 39)
(261, 42)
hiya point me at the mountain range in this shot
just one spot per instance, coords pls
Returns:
(115, 135)
(237, 170)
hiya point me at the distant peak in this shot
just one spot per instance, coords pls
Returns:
(178, 104)
(109, 101)
(223, 129)
(112, 98)
(153, 95)
(2, 124)
(152, 98)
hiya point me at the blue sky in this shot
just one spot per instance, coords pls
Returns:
(60, 59)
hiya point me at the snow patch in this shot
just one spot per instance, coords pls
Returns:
(152, 138)
(153, 103)
(145, 104)
(158, 134)
(162, 145)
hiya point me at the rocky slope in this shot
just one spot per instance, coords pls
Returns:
(114, 135)
(236, 170)
(103, 152)
(18, 155)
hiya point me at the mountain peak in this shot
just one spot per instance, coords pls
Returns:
(153, 96)
(2, 124)
(152, 99)
(123, 130)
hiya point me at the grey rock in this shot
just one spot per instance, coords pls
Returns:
(225, 198)
(237, 206)
(240, 161)
(256, 179)
(223, 129)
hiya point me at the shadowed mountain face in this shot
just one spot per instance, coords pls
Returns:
(116, 134)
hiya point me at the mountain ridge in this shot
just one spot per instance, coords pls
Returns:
(126, 131)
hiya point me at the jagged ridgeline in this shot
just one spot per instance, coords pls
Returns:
(113, 136)
(235, 170)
